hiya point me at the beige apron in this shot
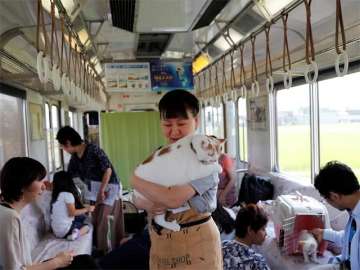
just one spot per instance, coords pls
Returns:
(196, 247)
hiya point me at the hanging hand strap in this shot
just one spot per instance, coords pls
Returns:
(268, 65)
(254, 75)
(310, 51)
(339, 24)
(286, 51)
(242, 66)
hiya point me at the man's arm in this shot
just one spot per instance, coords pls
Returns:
(336, 237)
(331, 235)
(104, 181)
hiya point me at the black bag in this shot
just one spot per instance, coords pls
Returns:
(255, 188)
(134, 222)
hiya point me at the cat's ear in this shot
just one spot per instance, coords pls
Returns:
(222, 141)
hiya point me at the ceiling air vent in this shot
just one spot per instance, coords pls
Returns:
(210, 13)
(122, 14)
(247, 21)
(152, 45)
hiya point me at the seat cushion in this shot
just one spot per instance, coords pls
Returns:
(50, 246)
(42, 243)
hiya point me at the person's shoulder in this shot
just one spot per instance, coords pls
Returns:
(93, 148)
(229, 244)
(9, 216)
(66, 195)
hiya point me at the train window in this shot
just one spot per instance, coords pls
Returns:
(218, 121)
(55, 127)
(209, 125)
(340, 120)
(71, 118)
(214, 120)
(12, 130)
(243, 141)
(230, 128)
(48, 137)
(52, 126)
(202, 120)
(293, 132)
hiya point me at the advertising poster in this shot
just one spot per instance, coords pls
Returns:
(166, 76)
(125, 77)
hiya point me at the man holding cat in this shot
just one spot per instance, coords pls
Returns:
(338, 184)
(197, 245)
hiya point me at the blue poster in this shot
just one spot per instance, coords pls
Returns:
(166, 76)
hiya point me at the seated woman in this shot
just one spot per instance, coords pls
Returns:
(22, 182)
(249, 230)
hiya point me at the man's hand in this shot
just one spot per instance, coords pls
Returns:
(91, 208)
(101, 196)
(63, 259)
(318, 234)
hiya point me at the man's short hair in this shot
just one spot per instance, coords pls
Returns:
(67, 133)
(176, 103)
(336, 177)
(19, 173)
(249, 216)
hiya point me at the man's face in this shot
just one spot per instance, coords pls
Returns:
(68, 148)
(335, 200)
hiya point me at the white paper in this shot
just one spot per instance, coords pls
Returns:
(111, 190)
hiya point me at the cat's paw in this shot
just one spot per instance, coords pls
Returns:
(174, 226)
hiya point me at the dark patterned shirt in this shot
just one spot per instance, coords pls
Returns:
(92, 165)
(238, 256)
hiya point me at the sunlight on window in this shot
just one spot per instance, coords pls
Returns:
(214, 121)
(12, 133)
(218, 113)
(339, 101)
(230, 128)
(55, 128)
(293, 128)
(243, 140)
(209, 129)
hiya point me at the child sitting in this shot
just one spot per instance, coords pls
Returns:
(67, 211)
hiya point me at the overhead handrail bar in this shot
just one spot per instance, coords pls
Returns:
(257, 31)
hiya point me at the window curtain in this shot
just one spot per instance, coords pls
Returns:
(128, 138)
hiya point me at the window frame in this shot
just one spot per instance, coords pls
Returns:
(314, 106)
(51, 159)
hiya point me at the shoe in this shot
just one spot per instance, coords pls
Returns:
(74, 235)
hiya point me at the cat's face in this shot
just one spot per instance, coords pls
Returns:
(307, 243)
(208, 149)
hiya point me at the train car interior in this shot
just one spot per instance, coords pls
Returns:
(278, 79)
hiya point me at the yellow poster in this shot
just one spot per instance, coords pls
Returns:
(36, 118)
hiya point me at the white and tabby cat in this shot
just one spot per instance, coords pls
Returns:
(308, 246)
(190, 158)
